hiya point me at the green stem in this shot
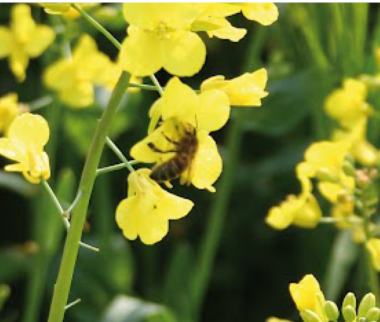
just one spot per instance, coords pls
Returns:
(66, 271)
(120, 154)
(63, 213)
(215, 225)
(115, 167)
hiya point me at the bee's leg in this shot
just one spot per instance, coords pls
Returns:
(155, 149)
(169, 139)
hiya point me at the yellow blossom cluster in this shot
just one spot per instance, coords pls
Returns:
(179, 143)
(348, 106)
(23, 40)
(181, 111)
(313, 307)
(325, 162)
(170, 31)
(74, 77)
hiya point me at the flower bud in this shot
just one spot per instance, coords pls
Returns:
(349, 313)
(310, 316)
(331, 310)
(368, 302)
(373, 314)
(349, 299)
(348, 168)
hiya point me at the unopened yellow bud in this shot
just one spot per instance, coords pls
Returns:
(349, 313)
(368, 302)
(310, 316)
(348, 168)
(349, 299)
(331, 310)
(373, 314)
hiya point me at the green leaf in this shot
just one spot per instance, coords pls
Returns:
(130, 309)
(343, 256)
(290, 100)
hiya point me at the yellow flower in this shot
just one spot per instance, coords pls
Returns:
(23, 40)
(181, 109)
(327, 158)
(213, 21)
(302, 210)
(245, 90)
(348, 104)
(297, 210)
(162, 29)
(25, 141)
(66, 9)
(307, 295)
(74, 77)
(263, 13)
(9, 109)
(373, 246)
(361, 149)
(147, 210)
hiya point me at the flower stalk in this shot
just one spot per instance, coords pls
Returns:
(66, 271)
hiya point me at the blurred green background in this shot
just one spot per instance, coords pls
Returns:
(222, 251)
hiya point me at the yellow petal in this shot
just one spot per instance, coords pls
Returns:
(180, 101)
(305, 294)
(142, 152)
(213, 110)
(22, 23)
(80, 95)
(12, 149)
(207, 164)
(126, 217)
(60, 75)
(229, 32)
(174, 207)
(42, 38)
(174, 15)
(30, 129)
(183, 53)
(153, 228)
(309, 215)
(140, 54)
(263, 13)
(282, 216)
(6, 41)
(19, 61)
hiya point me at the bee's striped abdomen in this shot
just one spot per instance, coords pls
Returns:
(171, 169)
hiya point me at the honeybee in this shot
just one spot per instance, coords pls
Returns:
(185, 150)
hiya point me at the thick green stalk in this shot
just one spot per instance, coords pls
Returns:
(66, 271)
